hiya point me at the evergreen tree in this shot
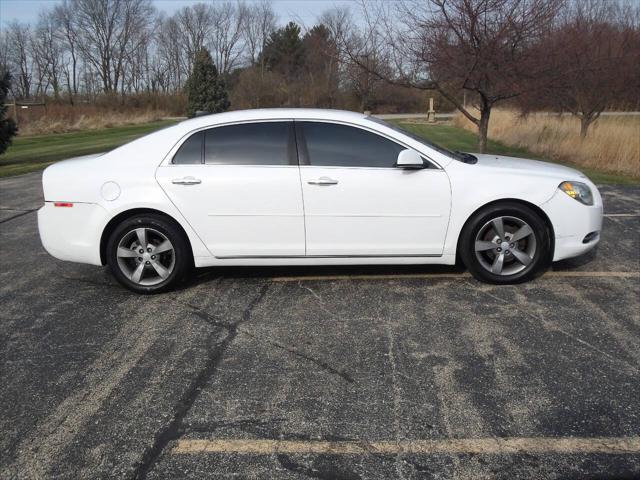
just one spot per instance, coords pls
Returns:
(206, 90)
(8, 127)
(284, 52)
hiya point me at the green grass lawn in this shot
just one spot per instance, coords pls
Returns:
(30, 153)
(455, 138)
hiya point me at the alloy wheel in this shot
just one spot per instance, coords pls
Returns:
(505, 245)
(146, 256)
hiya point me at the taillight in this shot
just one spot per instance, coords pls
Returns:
(62, 204)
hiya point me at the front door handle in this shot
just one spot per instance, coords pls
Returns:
(186, 181)
(323, 181)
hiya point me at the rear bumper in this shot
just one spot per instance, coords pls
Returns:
(72, 233)
(577, 227)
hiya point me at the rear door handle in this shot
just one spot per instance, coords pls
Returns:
(323, 181)
(186, 181)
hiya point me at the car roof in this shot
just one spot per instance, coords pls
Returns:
(271, 114)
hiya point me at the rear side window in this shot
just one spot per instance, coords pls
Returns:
(267, 143)
(334, 145)
(190, 151)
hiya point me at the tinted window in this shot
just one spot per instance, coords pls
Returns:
(190, 151)
(330, 144)
(248, 144)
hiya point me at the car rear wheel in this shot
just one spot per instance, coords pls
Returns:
(506, 243)
(148, 254)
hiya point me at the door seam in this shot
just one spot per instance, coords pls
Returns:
(304, 211)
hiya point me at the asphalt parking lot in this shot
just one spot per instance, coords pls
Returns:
(328, 373)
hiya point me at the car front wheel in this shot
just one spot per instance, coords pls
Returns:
(506, 243)
(148, 254)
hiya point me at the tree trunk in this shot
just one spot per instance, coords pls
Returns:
(585, 122)
(483, 128)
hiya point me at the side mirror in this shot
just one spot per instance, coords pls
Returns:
(409, 159)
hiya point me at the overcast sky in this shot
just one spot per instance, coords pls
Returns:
(301, 11)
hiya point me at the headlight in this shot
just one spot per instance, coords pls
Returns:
(578, 191)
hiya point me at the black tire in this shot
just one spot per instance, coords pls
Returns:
(477, 262)
(179, 258)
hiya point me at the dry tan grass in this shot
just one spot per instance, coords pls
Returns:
(612, 144)
(52, 122)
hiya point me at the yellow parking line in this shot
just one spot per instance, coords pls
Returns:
(309, 278)
(577, 273)
(369, 277)
(509, 445)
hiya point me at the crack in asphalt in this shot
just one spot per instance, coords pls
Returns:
(175, 428)
(556, 328)
(317, 361)
(320, 469)
(18, 215)
(292, 350)
(247, 424)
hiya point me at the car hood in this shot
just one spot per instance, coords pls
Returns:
(527, 167)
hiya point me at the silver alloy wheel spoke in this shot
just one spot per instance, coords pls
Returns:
(146, 256)
(163, 247)
(505, 245)
(523, 232)
(136, 276)
(522, 257)
(163, 272)
(498, 262)
(482, 246)
(498, 226)
(142, 237)
(126, 252)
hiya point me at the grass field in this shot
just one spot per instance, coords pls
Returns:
(612, 144)
(455, 138)
(31, 153)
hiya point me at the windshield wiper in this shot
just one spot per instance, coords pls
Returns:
(466, 157)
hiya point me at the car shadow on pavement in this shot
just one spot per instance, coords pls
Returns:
(208, 274)
(204, 275)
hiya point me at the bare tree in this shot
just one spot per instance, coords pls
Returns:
(595, 54)
(194, 25)
(482, 47)
(167, 63)
(67, 37)
(258, 23)
(109, 31)
(226, 36)
(18, 37)
(4, 53)
(47, 52)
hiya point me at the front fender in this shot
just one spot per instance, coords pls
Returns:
(472, 189)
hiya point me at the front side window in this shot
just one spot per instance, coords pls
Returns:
(267, 143)
(334, 145)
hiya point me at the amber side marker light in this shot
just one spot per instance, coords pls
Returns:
(62, 204)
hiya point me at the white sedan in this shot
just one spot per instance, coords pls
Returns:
(310, 187)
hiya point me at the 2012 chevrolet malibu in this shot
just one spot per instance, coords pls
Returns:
(310, 187)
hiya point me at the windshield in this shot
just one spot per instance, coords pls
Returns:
(456, 155)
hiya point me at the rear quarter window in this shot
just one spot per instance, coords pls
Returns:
(190, 152)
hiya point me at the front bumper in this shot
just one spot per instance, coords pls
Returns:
(577, 227)
(72, 233)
